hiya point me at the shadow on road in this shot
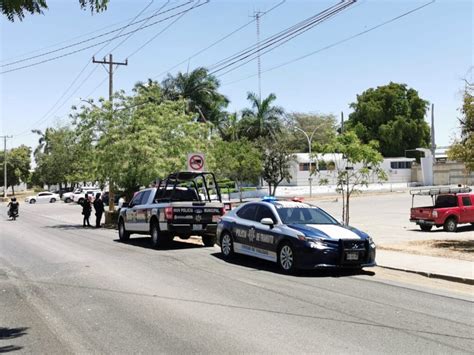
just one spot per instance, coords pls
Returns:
(263, 265)
(461, 229)
(70, 226)
(145, 242)
(11, 333)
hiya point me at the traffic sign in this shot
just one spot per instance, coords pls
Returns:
(196, 162)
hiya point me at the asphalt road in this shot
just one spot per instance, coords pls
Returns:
(66, 289)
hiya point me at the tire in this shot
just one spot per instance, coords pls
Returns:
(286, 258)
(157, 239)
(123, 234)
(67, 200)
(32, 201)
(425, 228)
(450, 225)
(227, 246)
(208, 240)
(53, 200)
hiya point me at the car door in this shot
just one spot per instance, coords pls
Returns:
(44, 197)
(142, 212)
(243, 228)
(467, 209)
(266, 237)
(131, 222)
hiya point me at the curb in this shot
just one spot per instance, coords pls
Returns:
(433, 275)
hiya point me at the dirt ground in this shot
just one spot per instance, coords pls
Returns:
(462, 249)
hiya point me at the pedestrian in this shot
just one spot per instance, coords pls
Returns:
(121, 201)
(86, 210)
(99, 209)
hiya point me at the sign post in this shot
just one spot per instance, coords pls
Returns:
(196, 162)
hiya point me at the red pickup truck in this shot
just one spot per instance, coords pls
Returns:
(452, 206)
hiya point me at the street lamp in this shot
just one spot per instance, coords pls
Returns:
(309, 138)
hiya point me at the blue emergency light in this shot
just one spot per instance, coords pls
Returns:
(269, 198)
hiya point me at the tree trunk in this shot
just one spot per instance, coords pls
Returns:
(13, 190)
(348, 195)
(240, 190)
(270, 188)
(343, 206)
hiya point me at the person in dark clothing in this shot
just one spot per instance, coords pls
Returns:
(86, 211)
(13, 207)
(99, 209)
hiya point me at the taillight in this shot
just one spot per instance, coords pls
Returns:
(434, 214)
(222, 211)
(169, 213)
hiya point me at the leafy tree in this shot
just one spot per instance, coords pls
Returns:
(277, 156)
(54, 156)
(238, 160)
(463, 148)
(138, 140)
(200, 92)
(393, 115)
(18, 166)
(360, 162)
(321, 128)
(17, 8)
(263, 119)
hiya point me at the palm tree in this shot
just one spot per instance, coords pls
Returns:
(43, 142)
(263, 119)
(199, 90)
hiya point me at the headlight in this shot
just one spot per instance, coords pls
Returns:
(371, 241)
(314, 242)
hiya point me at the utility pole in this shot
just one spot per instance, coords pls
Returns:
(257, 16)
(5, 164)
(433, 142)
(342, 122)
(111, 64)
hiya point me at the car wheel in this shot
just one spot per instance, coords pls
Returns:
(67, 200)
(80, 201)
(32, 201)
(286, 258)
(450, 225)
(227, 246)
(53, 200)
(157, 239)
(208, 240)
(425, 227)
(123, 234)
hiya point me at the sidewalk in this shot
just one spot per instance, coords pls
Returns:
(430, 266)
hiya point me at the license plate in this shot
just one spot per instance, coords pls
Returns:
(197, 227)
(352, 256)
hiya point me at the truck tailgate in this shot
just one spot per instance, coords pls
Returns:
(421, 212)
(197, 213)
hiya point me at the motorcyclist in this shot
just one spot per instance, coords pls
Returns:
(13, 207)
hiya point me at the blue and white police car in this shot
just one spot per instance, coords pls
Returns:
(295, 235)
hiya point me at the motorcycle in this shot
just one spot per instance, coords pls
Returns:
(13, 213)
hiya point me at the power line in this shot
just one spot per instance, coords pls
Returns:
(45, 117)
(93, 38)
(218, 41)
(279, 40)
(334, 44)
(166, 27)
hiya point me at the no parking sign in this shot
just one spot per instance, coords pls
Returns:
(196, 162)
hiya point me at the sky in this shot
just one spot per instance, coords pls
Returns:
(430, 50)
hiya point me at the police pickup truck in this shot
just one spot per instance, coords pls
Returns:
(183, 204)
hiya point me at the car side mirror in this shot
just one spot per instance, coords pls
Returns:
(125, 204)
(267, 222)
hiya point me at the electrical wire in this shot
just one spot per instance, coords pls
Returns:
(280, 35)
(93, 45)
(279, 40)
(46, 116)
(334, 44)
(101, 35)
(218, 41)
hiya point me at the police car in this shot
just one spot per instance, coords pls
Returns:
(295, 235)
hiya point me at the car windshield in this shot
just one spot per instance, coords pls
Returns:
(304, 215)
